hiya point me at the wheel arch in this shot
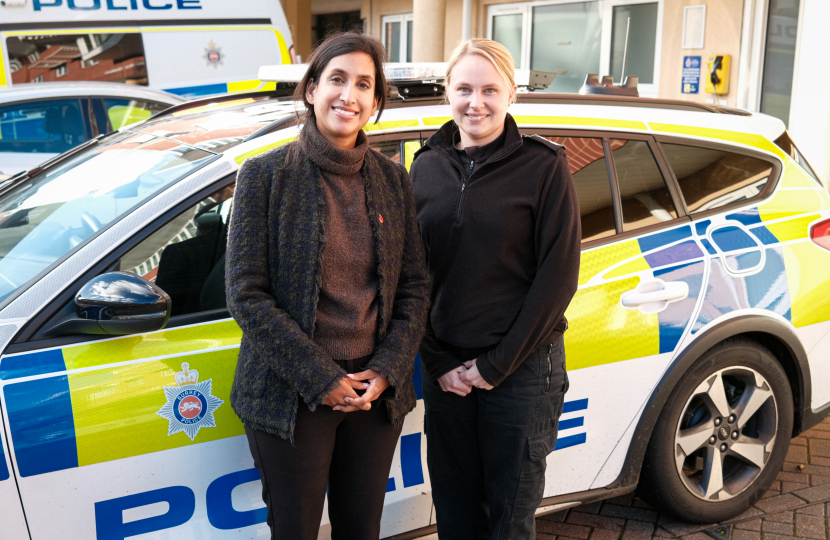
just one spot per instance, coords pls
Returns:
(779, 338)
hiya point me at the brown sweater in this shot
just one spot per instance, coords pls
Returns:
(347, 308)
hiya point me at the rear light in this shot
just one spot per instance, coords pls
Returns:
(820, 234)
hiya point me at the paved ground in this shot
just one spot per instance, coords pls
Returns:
(797, 505)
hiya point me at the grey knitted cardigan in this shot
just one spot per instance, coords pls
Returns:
(273, 276)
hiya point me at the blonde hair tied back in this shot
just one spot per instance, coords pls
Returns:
(495, 52)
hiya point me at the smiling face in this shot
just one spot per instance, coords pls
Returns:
(479, 97)
(344, 98)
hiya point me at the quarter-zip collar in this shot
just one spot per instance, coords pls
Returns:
(442, 142)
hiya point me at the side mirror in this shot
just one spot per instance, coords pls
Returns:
(117, 303)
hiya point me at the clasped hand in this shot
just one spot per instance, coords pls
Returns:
(344, 398)
(462, 379)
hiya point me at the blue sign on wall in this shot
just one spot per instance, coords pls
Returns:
(691, 75)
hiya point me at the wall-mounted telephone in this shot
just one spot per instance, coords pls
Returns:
(717, 75)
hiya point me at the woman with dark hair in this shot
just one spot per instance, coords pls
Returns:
(326, 278)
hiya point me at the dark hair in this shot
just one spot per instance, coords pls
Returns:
(337, 45)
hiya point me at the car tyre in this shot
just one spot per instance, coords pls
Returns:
(739, 395)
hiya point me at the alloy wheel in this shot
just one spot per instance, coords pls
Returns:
(726, 433)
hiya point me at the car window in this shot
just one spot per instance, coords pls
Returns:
(785, 143)
(123, 112)
(390, 149)
(711, 178)
(48, 215)
(186, 257)
(49, 127)
(588, 165)
(644, 197)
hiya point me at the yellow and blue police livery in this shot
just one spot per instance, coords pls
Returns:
(698, 336)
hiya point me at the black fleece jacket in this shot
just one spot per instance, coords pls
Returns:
(502, 247)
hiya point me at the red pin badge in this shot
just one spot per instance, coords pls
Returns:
(380, 218)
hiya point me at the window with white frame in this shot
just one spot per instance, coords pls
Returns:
(575, 38)
(397, 37)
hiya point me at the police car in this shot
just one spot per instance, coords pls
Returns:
(699, 336)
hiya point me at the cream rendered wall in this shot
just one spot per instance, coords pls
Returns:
(723, 36)
(374, 10)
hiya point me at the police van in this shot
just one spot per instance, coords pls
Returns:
(186, 47)
(699, 339)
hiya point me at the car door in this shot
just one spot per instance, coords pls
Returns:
(640, 277)
(14, 524)
(114, 436)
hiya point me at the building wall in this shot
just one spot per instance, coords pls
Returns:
(373, 10)
(298, 14)
(810, 110)
(722, 36)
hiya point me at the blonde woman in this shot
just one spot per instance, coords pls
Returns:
(500, 223)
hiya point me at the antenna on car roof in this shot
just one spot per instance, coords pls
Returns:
(625, 49)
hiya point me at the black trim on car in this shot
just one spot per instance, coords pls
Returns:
(775, 335)
(615, 187)
(108, 263)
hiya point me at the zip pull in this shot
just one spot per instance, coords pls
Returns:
(472, 164)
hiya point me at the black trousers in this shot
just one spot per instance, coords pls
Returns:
(349, 454)
(486, 451)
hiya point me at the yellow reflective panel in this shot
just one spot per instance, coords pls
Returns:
(748, 139)
(114, 410)
(595, 261)
(244, 86)
(165, 342)
(794, 177)
(809, 282)
(3, 81)
(392, 124)
(637, 265)
(126, 115)
(409, 149)
(262, 149)
(792, 229)
(601, 331)
(284, 54)
(436, 120)
(788, 203)
(578, 121)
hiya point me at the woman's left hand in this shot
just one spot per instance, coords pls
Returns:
(376, 384)
(473, 377)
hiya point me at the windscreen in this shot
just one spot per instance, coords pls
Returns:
(50, 214)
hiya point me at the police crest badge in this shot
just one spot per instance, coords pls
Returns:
(190, 405)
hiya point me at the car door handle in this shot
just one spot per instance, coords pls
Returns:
(654, 295)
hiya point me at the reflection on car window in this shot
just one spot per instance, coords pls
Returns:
(48, 127)
(643, 193)
(712, 178)
(586, 159)
(50, 214)
(390, 149)
(785, 143)
(123, 112)
(77, 57)
(186, 257)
